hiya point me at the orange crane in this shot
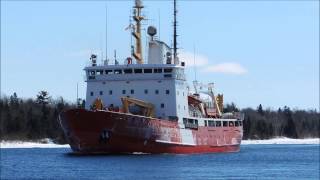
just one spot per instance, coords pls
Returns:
(147, 107)
(97, 104)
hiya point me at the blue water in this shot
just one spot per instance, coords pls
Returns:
(252, 162)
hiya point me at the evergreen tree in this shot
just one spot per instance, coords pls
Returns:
(14, 101)
(246, 127)
(43, 98)
(260, 110)
(289, 129)
(230, 108)
(33, 125)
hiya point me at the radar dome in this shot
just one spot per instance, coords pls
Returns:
(152, 30)
(138, 3)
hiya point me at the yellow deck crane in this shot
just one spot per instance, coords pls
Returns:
(148, 108)
(97, 104)
(217, 100)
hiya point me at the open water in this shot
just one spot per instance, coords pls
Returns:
(252, 162)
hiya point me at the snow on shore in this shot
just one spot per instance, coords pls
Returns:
(282, 140)
(47, 143)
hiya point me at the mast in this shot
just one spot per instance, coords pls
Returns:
(106, 33)
(77, 95)
(175, 32)
(137, 17)
(194, 63)
(159, 20)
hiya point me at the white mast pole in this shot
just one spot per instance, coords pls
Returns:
(106, 32)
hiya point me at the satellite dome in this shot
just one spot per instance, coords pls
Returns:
(152, 30)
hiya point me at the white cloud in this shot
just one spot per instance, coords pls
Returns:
(227, 68)
(188, 58)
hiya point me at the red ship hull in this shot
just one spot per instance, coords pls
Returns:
(114, 132)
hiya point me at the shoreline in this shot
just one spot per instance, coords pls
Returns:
(49, 144)
(281, 140)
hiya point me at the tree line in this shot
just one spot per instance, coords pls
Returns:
(36, 118)
(32, 119)
(262, 123)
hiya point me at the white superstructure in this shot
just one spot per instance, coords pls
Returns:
(159, 81)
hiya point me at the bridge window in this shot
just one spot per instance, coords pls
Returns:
(211, 123)
(225, 123)
(101, 93)
(147, 70)
(118, 71)
(191, 123)
(205, 123)
(109, 71)
(218, 123)
(137, 70)
(91, 93)
(157, 91)
(110, 92)
(157, 70)
(132, 91)
(92, 72)
(123, 91)
(167, 91)
(127, 71)
(168, 70)
(99, 72)
(146, 91)
(231, 124)
(162, 105)
(185, 120)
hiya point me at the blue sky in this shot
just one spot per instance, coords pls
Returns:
(264, 52)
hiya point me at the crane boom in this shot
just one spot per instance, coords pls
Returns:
(126, 101)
